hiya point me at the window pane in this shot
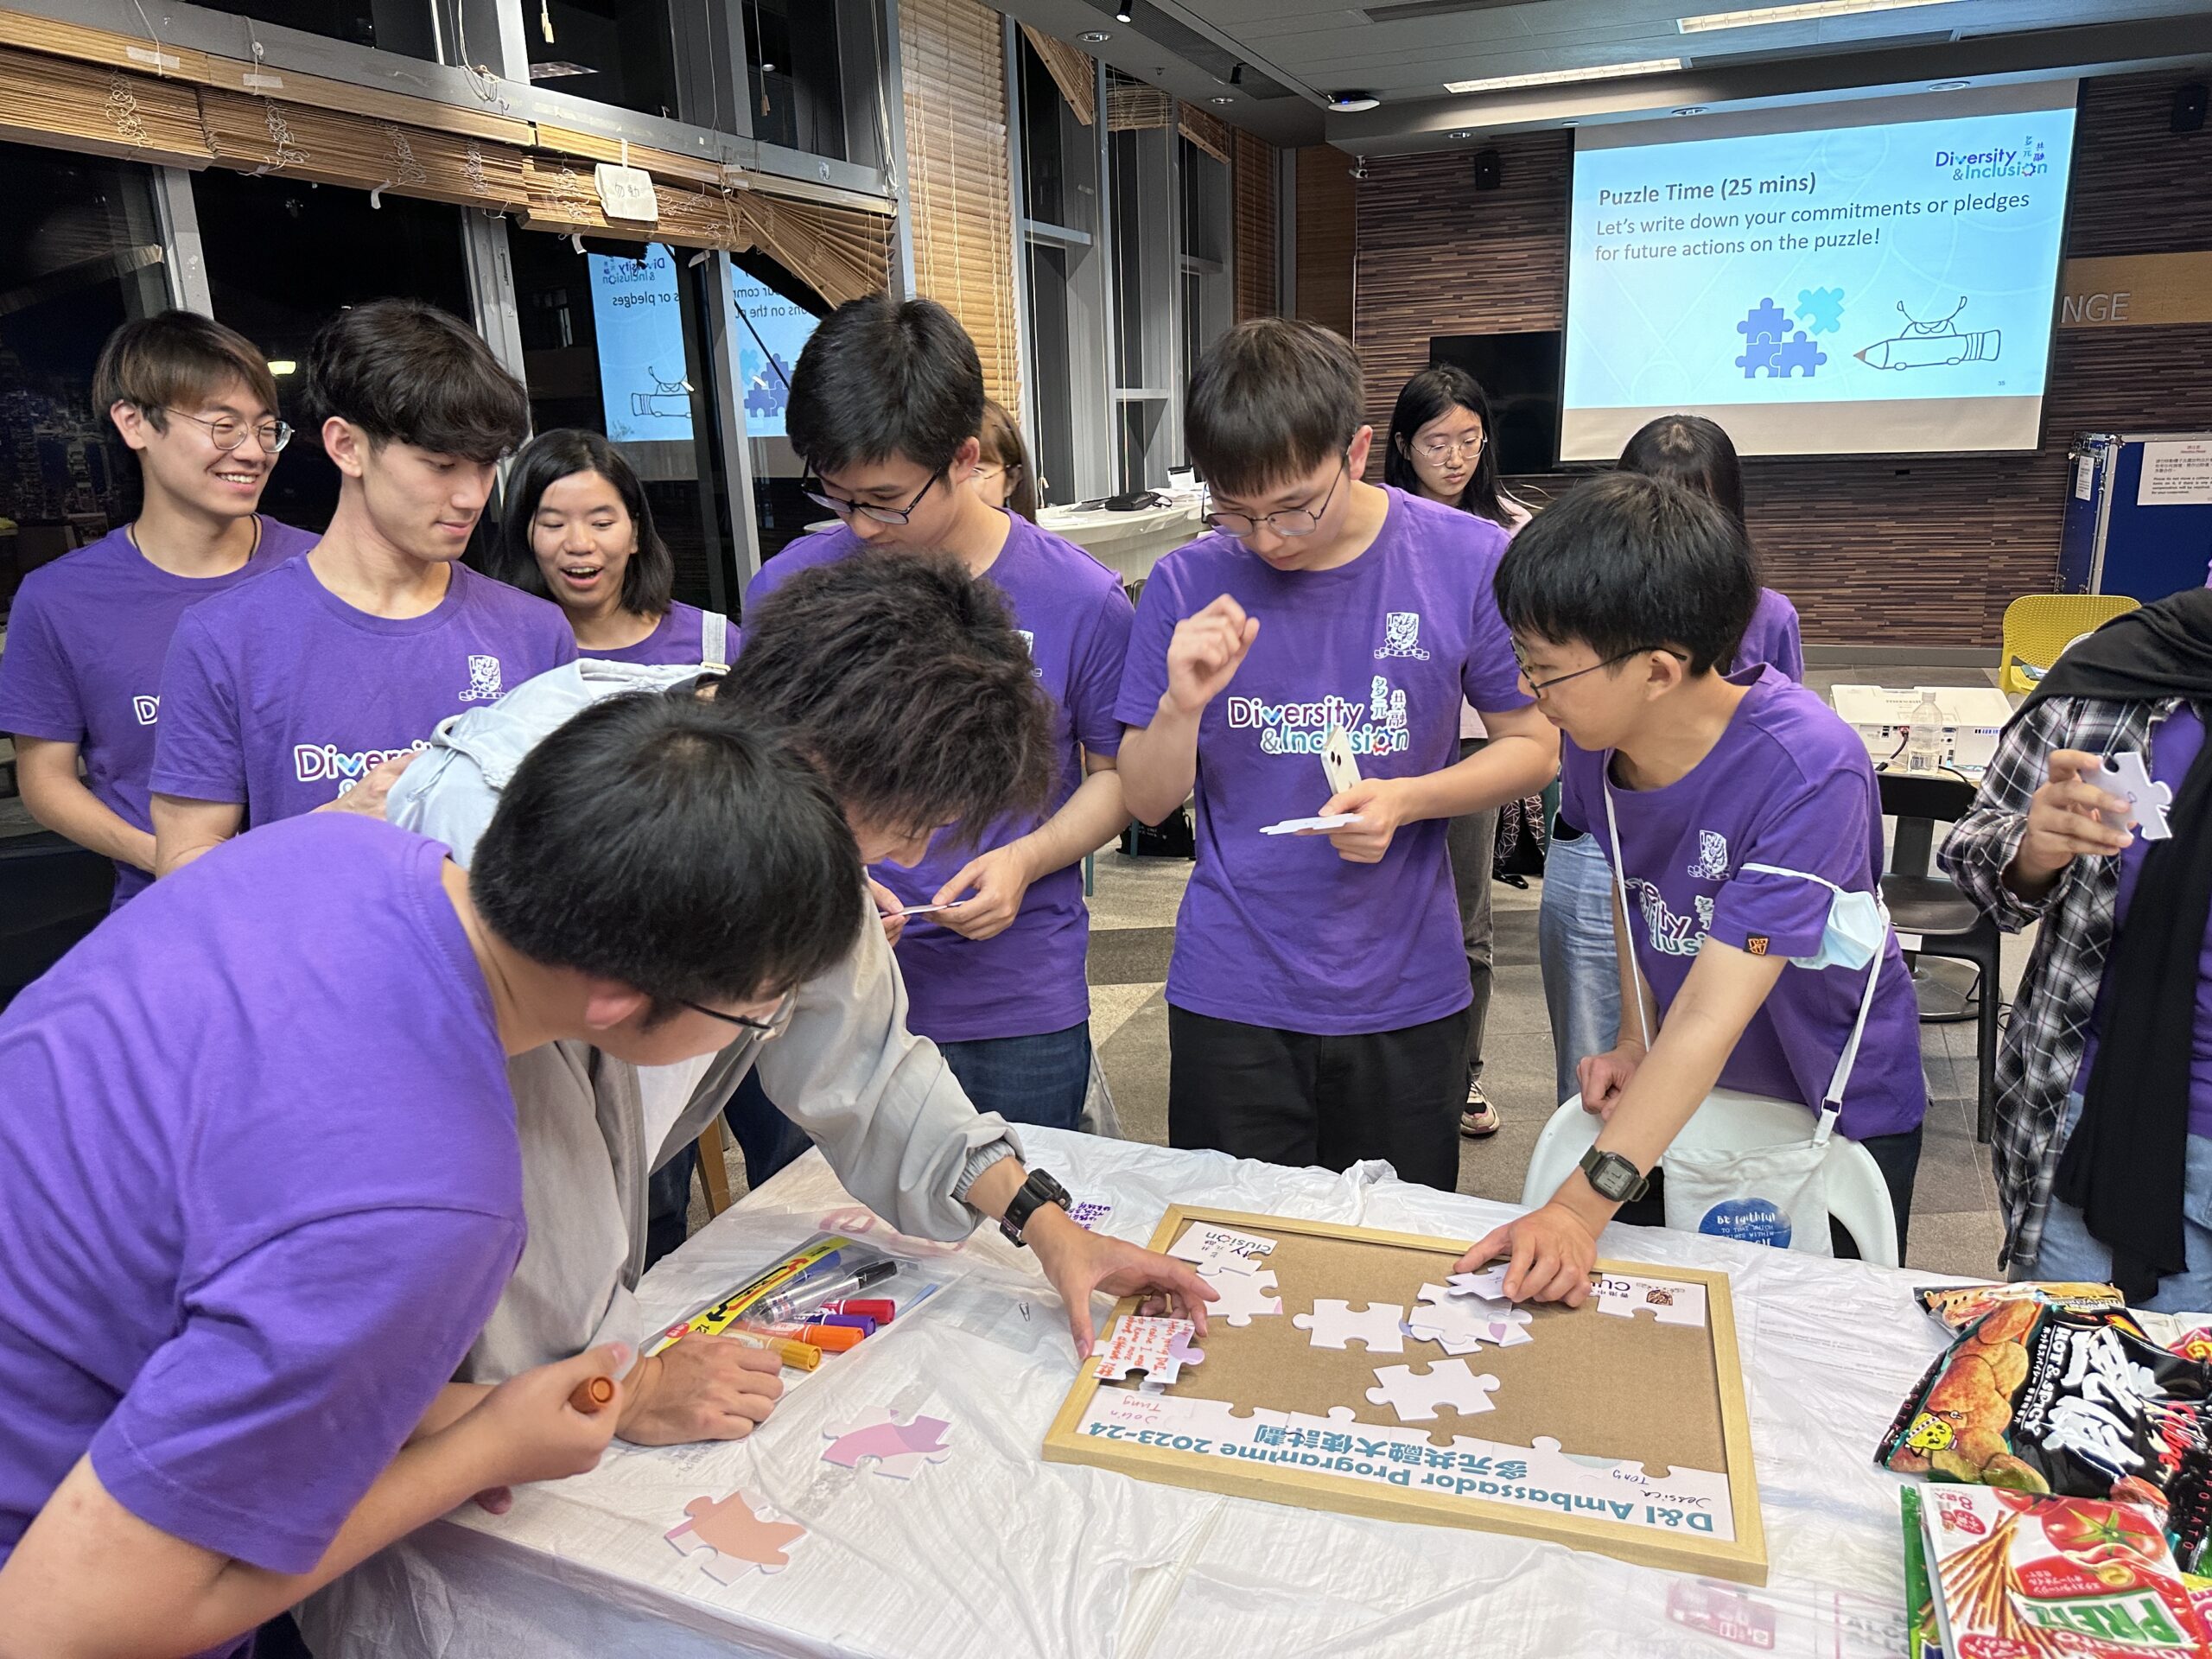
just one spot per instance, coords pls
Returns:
(772, 315)
(80, 255)
(609, 344)
(1054, 439)
(616, 52)
(283, 254)
(402, 26)
(792, 74)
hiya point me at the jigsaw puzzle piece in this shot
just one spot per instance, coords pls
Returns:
(2126, 774)
(1821, 309)
(898, 1449)
(1221, 1249)
(1668, 1301)
(1489, 1283)
(738, 1538)
(1415, 1398)
(1243, 1295)
(1158, 1347)
(1797, 352)
(1763, 328)
(1332, 1325)
(1461, 1324)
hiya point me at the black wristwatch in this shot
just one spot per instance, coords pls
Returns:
(1613, 1176)
(1040, 1188)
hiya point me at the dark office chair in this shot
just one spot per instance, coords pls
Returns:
(52, 894)
(1948, 922)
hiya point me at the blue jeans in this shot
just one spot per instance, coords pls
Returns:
(1041, 1079)
(2069, 1253)
(768, 1140)
(1581, 963)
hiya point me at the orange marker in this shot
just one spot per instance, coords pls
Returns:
(833, 1338)
(592, 1394)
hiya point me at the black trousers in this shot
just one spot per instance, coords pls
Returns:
(1898, 1156)
(1291, 1097)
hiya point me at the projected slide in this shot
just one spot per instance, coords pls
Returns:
(1840, 278)
(645, 388)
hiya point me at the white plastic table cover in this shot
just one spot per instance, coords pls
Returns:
(996, 1552)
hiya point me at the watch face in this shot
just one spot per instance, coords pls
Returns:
(1612, 1175)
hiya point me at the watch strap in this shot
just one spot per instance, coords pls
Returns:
(1038, 1190)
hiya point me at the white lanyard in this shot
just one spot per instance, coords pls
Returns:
(1832, 1103)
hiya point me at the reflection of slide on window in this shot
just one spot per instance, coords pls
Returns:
(1940, 343)
(669, 400)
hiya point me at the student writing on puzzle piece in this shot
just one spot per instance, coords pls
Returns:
(1740, 818)
(1318, 994)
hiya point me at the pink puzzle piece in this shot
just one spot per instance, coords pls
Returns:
(735, 1538)
(899, 1449)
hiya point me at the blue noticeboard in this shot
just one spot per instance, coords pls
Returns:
(2116, 539)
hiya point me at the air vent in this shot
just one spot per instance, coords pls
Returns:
(1407, 10)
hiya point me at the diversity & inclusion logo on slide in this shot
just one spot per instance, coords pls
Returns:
(2028, 162)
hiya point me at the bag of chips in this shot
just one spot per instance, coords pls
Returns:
(2042, 1399)
(1956, 1306)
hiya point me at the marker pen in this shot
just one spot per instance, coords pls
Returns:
(881, 1309)
(800, 1356)
(803, 1302)
(592, 1394)
(831, 1338)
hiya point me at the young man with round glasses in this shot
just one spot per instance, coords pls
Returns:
(886, 402)
(81, 677)
(1318, 996)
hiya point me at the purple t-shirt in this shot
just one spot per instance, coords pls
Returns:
(259, 1190)
(1772, 637)
(1278, 931)
(85, 644)
(280, 696)
(1030, 979)
(680, 636)
(1790, 786)
(2175, 742)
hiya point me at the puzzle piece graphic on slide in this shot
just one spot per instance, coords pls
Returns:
(2125, 774)
(1461, 1324)
(734, 1537)
(1243, 1295)
(1158, 1347)
(1797, 352)
(1332, 1325)
(1669, 1303)
(1821, 309)
(898, 1449)
(1448, 1382)
(1764, 327)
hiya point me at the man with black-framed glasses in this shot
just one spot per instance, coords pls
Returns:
(81, 678)
(1318, 997)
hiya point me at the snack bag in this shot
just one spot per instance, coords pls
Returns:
(1957, 1306)
(2040, 1400)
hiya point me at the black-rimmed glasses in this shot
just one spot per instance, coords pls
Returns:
(228, 434)
(816, 492)
(1537, 688)
(1287, 521)
(763, 1029)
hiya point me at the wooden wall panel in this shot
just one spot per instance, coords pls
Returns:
(1252, 180)
(1912, 552)
(1327, 233)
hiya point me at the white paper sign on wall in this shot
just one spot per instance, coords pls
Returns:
(626, 192)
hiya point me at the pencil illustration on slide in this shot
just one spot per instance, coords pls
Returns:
(669, 399)
(1936, 343)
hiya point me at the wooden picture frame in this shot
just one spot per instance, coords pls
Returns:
(1666, 1369)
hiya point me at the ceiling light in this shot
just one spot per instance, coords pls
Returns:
(1093, 36)
(1754, 17)
(281, 367)
(558, 68)
(1126, 12)
(1554, 77)
(1237, 75)
(1224, 98)
(1352, 103)
(1949, 86)
(1688, 108)
(1464, 133)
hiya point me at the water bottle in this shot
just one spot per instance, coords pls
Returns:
(1923, 750)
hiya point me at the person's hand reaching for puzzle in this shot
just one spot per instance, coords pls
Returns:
(705, 1388)
(1549, 1251)
(1081, 1264)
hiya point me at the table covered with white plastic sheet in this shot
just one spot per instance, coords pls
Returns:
(996, 1552)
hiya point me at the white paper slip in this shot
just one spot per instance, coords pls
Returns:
(926, 910)
(1210, 1246)
(1291, 826)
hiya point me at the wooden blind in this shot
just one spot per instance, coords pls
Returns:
(1209, 132)
(269, 135)
(1252, 176)
(81, 106)
(959, 191)
(1136, 109)
(1072, 71)
(844, 255)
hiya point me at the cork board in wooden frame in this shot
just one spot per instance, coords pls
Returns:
(1646, 1451)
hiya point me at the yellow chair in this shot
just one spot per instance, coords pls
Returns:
(2037, 626)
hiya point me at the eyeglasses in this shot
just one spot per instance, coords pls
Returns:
(1290, 521)
(763, 1029)
(1537, 688)
(228, 434)
(816, 490)
(1443, 449)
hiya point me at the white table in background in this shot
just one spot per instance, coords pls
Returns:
(1128, 543)
(997, 1553)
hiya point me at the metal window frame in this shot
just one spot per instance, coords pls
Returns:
(178, 214)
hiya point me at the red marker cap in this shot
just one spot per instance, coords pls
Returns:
(877, 1308)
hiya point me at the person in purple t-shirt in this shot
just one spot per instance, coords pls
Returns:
(259, 1180)
(87, 638)
(579, 531)
(2103, 1143)
(886, 404)
(1740, 816)
(1318, 991)
(1575, 929)
(278, 697)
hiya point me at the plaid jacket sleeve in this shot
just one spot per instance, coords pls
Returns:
(1982, 844)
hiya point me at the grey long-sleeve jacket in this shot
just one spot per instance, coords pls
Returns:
(880, 1101)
